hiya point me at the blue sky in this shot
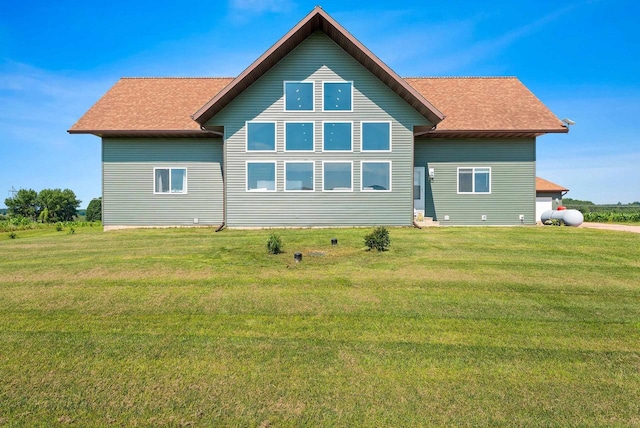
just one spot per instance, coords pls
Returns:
(581, 58)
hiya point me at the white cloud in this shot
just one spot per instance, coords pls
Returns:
(241, 11)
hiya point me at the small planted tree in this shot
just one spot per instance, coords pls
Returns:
(274, 244)
(378, 239)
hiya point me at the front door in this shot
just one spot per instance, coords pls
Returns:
(418, 192)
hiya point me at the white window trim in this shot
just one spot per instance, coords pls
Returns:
(313, 136)
(362, 189)
(186, 180)
(473, 180)
(246, 136)
(362, 149)
(337, 81)
(313, 175)
(349, 190)
(246, 176)
(351, 135)
(313, 95)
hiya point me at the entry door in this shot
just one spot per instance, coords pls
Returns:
(418, 191)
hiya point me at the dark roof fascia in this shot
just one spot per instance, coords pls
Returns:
(422, 133)
(318, 19)
(149, 133)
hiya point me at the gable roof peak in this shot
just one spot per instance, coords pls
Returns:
(318, 20)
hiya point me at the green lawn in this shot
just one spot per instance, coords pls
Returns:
(453, 326)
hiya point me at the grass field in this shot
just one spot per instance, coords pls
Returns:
(453, 326)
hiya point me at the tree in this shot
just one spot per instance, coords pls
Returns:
(94, 210)
(25, 204)
(61, 205)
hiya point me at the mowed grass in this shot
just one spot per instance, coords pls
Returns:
(453, 326)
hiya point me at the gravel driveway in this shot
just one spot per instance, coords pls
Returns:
(607, 226)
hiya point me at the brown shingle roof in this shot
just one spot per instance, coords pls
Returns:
(486, 105)
(165, 105)
(150, 105)
(543, 185)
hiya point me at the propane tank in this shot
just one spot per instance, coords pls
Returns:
(569, 217)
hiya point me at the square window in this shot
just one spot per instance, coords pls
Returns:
(261, 176)
(376, 176)
(376, 136)
(298, 96)
(261, 136)
(337, 96)
(336, 136)
(298, 136)
(298, 176)
(170, 180)
(336, 176)
(474, 180)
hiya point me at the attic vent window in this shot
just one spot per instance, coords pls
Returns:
(298, 96)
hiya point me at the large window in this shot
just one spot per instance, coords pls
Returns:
(337, 176)
(376, 176)
(261, 136)
(336, 136)
(298, 136)
(376, 136)
(474, 180)
(261, 176)
(298, 96)
(337, 96)
(170, 180)
(298, 176)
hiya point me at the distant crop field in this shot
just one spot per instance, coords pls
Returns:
(520, 326)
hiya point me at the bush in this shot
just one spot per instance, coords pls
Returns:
(274, 244)
(12, 235)
(378, 239)
(59, 227)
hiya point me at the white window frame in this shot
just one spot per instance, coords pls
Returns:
(313, 95)
(313, 176)
(362, 136)
(186, 181)
(246, 137)
(362, 188)
(473, 180)
(313, 136)
(324, 82)
(275, 176)
(350, 135)
(350, 189)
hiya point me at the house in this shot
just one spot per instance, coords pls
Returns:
(318, 132)
(548, 196)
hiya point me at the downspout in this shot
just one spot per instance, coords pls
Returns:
(224, 183)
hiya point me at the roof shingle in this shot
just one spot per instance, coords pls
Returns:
(543, 185)
(469, 104)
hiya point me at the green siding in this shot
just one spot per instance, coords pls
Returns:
(128, 198)
(318, 59)
(513, 192)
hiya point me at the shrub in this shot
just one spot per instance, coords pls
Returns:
(12, 235)
(274, 244)
(378, 239)
(59, 227)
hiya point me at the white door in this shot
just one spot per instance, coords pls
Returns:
(543, 203)
(418, 192)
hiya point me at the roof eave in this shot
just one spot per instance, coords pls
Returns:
(318, 19)
(469, 133)
(146, 133)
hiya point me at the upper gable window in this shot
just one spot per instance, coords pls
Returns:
(337, 96)
(298, 96)
(261, 137)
